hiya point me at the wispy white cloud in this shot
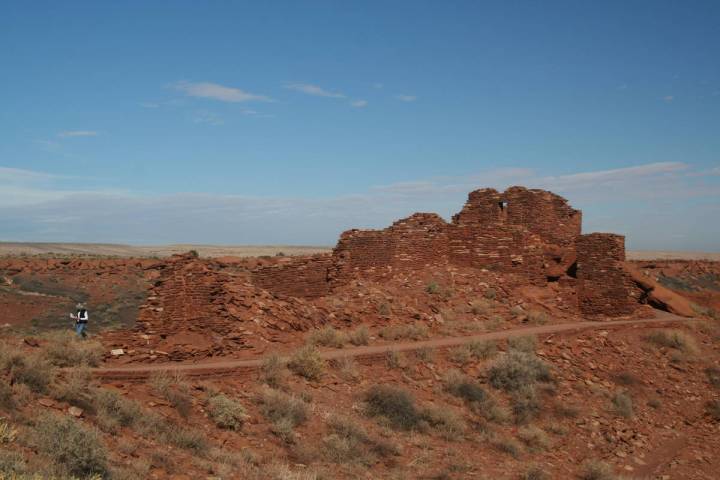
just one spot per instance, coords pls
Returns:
(359, 103)
(209, 118)
(652, 204)
(77, 133)
(406, 98)
(218, 92)
(314, 90)
(668, 98)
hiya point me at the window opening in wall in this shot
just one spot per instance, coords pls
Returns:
(503, 205)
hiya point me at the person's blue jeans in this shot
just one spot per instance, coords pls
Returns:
(80, 329)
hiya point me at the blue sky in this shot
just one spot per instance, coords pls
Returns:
(288, 122)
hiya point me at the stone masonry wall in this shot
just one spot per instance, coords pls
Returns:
(603, 286)
(298, 277)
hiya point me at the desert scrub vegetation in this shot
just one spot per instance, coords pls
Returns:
(359, 336)
(173, 388)
(482, 350)
(535, 472)
(675, 339)
(348, 442)
(274, 371)
(525, 403)
(432, 287)
(713, 376)
(347, 369)
(396, 407)
(29, 369)
(76, 389)
(395, 359)
(327, 337)
(307, 363)
(526, 343)
(481, 307)
(534, 438)
(284, 411)
(713, 409)
(518, 369)
(71, 447)
(113, 410)
(226, 412)
(7, 432)
(64, 349)
(458, 384)
(537, 317)
(596, 470)
(460, 354)
(508, 445)
(401, 332)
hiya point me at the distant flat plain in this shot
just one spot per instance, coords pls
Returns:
(119, 250)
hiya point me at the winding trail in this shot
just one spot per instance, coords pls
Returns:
(245, 368)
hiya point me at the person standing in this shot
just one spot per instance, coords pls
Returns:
(81, 319)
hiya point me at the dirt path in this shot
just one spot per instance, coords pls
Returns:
(220, 368)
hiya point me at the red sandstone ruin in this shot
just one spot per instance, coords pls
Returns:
(531, 233)
(519, 238)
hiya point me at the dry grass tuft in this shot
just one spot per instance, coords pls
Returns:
(394, 404)
(676, 339)
(526, 343)
(402, 332)
(307, 363)
(622, 404)
(534, 438)
(173, 387)
(327, 337)
(483, 350)
(359, 336)
(518, 369)
(596, 470)
(64, 349)
(273, 371)
(285, 412)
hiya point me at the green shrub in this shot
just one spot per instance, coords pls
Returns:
(432, 287)
(518, 369)
(393, 403)
(327, 337)
(71, 447)
(226, 412)
(622, 404)
(307, 363)
(360, 336)
(64, 349)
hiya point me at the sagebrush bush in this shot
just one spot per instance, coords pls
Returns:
(73, 448)
(347, 441)
(359, 336)
(285, 412)
(393, 403)
(273, 370)
(483, 350)
(526, 343)
(713, 376)
(481, 307)
(596, 470)
(174, 388)
(525, 403)
(459, 385)
(75, 388)
(460, 355)
(64, 349)
(348, 368)
(518, 369)
(444, 421)
(534, 438)
(327, 337)
(112, 410)
(535, 472)
(186, 438)
(713, 409)
(226, 412)
(400, 332)
(676, 339)
(508, 445)
(307, 363)
(622, 404)
(7, 401)
(30, 370)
